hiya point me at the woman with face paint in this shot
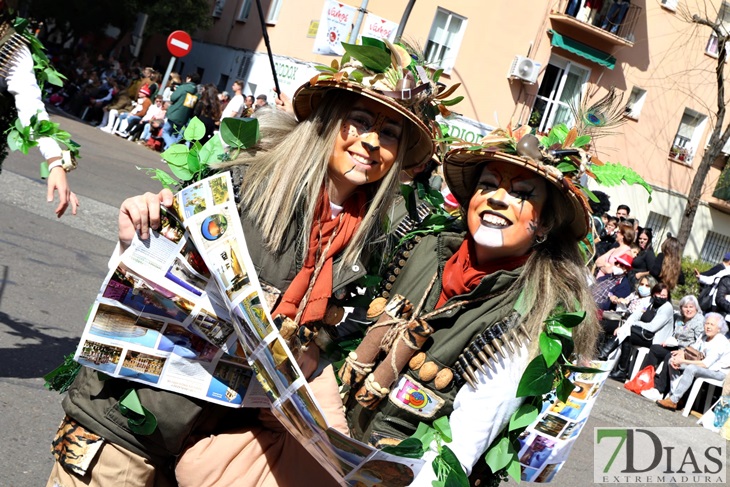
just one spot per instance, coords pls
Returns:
(313, 195)
(479, 301)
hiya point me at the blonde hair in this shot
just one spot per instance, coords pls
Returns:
(288, 168)
(555, 275)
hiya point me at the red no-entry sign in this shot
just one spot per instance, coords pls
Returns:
(179, 43)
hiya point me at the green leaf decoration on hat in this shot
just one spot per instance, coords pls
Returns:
(372, 57)
(141, 421)
(612, 174)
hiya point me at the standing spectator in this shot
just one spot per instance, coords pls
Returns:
(623, 211)
(598, 209)
(261, 101)
(714, 365)
(173, 83)
(208, 111)
(180, 112)
(223, 99)
(645, 260)
(235, 106)
(710, 282)
(248, 110)
(667, 267)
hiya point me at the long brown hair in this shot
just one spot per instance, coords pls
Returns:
(672, 263)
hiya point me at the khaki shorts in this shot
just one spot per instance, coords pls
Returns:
(113, 466)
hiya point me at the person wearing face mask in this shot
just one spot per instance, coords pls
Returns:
(611, 287)
(644, 329)
(637, 300)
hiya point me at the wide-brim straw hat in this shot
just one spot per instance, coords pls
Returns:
(462, 169)
(308, 97)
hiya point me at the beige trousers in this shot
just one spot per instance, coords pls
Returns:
(113, 466)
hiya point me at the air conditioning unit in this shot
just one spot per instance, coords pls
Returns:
(524, 69)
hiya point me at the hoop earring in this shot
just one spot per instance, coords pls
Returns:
(540, 239)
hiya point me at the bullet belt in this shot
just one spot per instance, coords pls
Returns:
(12, 43)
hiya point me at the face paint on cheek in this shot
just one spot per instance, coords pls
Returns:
(488, 237)
(532, 227)
(349, 171)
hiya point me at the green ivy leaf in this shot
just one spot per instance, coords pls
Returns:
(590, 195)
(444, 428)
(425, 433)
(523, 417)
(53, 76)
(408, 448)
(193, 161)
(372, 41)
(176, 155)
(500, 454)
(371, 57)
(181, 172)
(557, 328)
(570, 320)
(537, 379)
(357, 75)
(210, 152)
(240, 133)
(550, 348)
(564, 389)
(165, 179)
(15, 140)
(195, 130)
(585, 370)
(514, 470)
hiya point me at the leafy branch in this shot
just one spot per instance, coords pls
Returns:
(22, 138)
(191, 161)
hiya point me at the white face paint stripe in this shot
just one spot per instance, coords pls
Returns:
(488, 237)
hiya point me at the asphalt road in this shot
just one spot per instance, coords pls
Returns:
(51, 271)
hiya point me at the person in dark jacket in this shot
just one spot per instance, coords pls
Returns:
(644, 261)
(349, 149)
(180, 112)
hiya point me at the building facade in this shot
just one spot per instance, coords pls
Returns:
(523, 61)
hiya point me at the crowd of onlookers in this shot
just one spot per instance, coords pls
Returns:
(632, 290)
(129, 100)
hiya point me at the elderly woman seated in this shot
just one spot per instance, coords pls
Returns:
(712, 363)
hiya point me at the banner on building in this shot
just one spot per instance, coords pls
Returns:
(335, 26)
(463, 127)
(379, 28)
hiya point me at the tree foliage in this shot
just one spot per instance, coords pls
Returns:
(82, 17)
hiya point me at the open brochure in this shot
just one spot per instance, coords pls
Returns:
(184, 311)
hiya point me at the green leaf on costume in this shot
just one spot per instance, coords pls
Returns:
(53, 77)
(444, 428)
(612, 174)
(590, 195)
(210, 152)
(452, 102)
(514, 470)
(581, 140)
(556, 328)
(193, 161)
(195, 130)
(357, 75)
(372, 41)
(523, 417)
(564, 389)
(570, 320)
(584, 370)
(550, 348)
(140, 420)
(537, 379)
(456, 476)
(165, 179)
(176, 155)
(240, 133)
(500, 454)
(437, 74)
(181, 172)
(15, 140)
(324, 68)
(566, 167)
(371, 57)
(408, 448)
(560, 132)
(425, 433)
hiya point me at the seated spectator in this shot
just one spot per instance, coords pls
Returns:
(137, 113)
(667, 267)
(614, 285)
(688, 326)
(607, 238)
(715, 364)
(121, 103)
(156, 110)
(624, 239)
(644, 329)
(637, 300)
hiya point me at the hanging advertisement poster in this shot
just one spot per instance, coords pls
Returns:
(335, 26)
(379, 28)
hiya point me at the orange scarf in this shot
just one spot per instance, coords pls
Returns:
(344, 227)
(461, 276)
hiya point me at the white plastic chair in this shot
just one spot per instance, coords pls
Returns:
(694, 392)
(638, 354)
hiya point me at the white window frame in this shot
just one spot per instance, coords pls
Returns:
(448, 48)
(723, 17)
(274, 9)
(637, 97)
(218, 7)
(245, 9)
(557, 91)
(690, 144)
(670, 4)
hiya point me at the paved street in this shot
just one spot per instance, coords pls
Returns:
(51, 270)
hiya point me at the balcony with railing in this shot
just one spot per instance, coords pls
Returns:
(610, 27)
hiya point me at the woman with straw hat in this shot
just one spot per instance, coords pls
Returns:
(323, 183)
